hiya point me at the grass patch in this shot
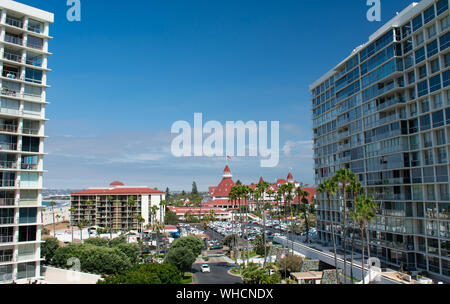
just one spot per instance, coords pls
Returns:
(188, 278)
(236, 271)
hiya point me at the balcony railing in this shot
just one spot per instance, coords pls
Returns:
(7, 202)
(12, 57)
(14, 22)
(6, 220)
(34, 28)
(14, 40)
(6, 239)
(37, 46)
(8, 165)
(7, 183)
(11, 74)
(8, 92)
(29, 167)
(8, 128)
(6, 258)
(389, 103)
(8, 147)
(30, 131)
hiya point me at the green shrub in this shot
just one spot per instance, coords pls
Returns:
(149, 273)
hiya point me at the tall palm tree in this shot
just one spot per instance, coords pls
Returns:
(89, 204)
(117, 207)
(109, 199)
(72, 211)
(80, 225)
(330, 188)
(53, 214)
(303, 199)
(288, 191)
(343, 178)
(260, 191)
(354, 189)
(364, 214)
(130, 203)
(232, 196)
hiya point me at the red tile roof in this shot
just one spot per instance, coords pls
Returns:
(118, 191)
(116, 184)
(290, 177)
(223, 189)
(227, 170)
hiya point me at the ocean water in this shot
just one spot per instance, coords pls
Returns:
(59, 204)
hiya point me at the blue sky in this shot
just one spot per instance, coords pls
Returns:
(124, 74)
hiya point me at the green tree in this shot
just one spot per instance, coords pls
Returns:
(171, 218)
(255, 274)
(191, 242)
(93, 259)
(72, 212)
(146, 274)
(182, 258)
(304, 207)
(132, 251)
(293, 263)
(48, 249)
(130, 203)
(194, 188)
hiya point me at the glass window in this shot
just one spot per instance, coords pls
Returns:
(422, 88)
(438, 119)
(26, 270)
(417, 23)
(444, 41)
(435, 66)
(441, 6)
(431, 31)
(441, 174)
(429, 14)
(445, 23)
(420, 55)
(435, 83)
(432, 48)
(447, 60)
(27, 233)
(442, 155)
(419, 39)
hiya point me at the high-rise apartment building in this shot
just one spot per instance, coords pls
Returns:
(24, 36)
(384, 113)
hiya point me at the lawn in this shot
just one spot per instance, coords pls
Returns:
(188, 278)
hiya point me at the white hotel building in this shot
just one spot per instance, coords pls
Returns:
(24, 36)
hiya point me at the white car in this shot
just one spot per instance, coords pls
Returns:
(205, 268)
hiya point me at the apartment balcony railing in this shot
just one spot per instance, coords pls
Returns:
(7, 202)
(29, 166)
(6, 258)
(33, 80)
(8, 92)
(382, 121)
(8, 147)
(36, 46)
(343, 134)
(8, 128)
(30, 131)
(389, 103)
(34, 62)
(6, 239)
(390, 197)
(14, 40)
(7, 183)
(6, 220)
(11, 74)
(12, 57)
(14, 22)
(8, 165)
(344, 147)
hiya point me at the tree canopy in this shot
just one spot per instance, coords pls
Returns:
(48, 249)
(194, 243)
(181, 257)
(149, 273)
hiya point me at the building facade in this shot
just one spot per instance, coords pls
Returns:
(384, 113)
(118, 207)
(24, 36)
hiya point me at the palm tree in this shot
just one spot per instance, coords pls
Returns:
(353, 188)
(232, 196)
(109, 199)
(288, 190)
(89, 204)
(303, 199)
(72, 211)
(131, 202)
(260, 191)
(53, 214)
(141, 221)
(330, 188)
(118, 204)
(364, 214)
(80, 226)
(344, 177)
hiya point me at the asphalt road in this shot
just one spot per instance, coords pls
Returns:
(219, 274)
(219, 270)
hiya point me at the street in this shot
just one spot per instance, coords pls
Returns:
(219, 270)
